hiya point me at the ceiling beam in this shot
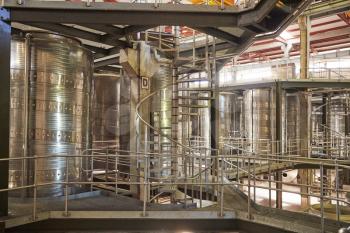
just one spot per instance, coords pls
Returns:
(233, 40)
(106, 62)
(141, 14)
(108, 68)
(105, 28)
(70, 31)
(322, 9)
(121, 13)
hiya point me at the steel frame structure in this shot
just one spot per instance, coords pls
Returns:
(266, 18)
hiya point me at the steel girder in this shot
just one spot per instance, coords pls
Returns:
(266, 17)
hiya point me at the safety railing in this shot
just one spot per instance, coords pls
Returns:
(329, 73)
(329, 143)
(325, 188)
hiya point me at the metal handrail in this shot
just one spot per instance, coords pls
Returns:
(220, 170)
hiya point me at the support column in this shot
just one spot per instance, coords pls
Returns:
(346, 172)
(279, 148)
(326, 122)
(304, 174)
(304, 25)
(134, 145)
(5, 46)
(214, 118)
(129, 59)
(304, 129)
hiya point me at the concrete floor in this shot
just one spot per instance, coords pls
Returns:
(234, 201)
(94, 201)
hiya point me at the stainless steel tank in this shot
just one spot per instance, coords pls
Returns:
(338, 111)
(105, 109)
(230, 115)
(58, 76)
(259, 112)
(329, 125)
(105, 114)
(291, 123)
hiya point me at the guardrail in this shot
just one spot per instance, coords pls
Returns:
(250, 177)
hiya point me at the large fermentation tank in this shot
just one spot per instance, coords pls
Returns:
(259, 123)
(338, 113)
(105, 110)
(291, 123)
(105, 117)
(330, 124)
(54, 75)
(231, 116)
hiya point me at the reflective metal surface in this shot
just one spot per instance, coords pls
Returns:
(161, 108)
(105, 109)
(259, 112)
(231, 115)
(59, 82)
(330, 125)
(292, 122)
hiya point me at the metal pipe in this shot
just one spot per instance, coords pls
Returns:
(27, 62)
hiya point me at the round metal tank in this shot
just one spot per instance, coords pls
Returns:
(259, 109)
(338, 111)
(292, 134)
(105, 114)
(58, 77)
(105, 109)
(230, 115)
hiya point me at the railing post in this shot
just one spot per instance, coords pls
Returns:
(269, 179)
(35, 190)
(146, 173)
(185, 189)
(145, 185)
(92, 172)
(249, 196)
(107, 163)
(321, 198)
(200, 180)
(116, 173)
(254, 178)
(337, 191)
(222, 188)
(66, 188)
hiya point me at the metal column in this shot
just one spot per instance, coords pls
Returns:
(214, 115)
(5, 44)
(279, 149)
(304, 25)
(304, 129)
